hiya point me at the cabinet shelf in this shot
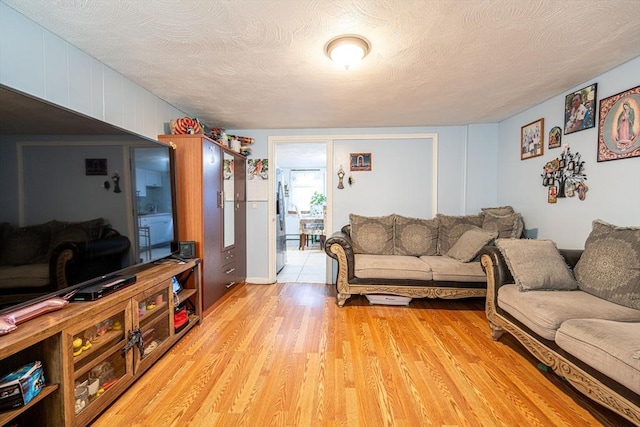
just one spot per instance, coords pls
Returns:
(186, 293)
(6, 417)
(152, 314)
(100, 358)
(107, 339)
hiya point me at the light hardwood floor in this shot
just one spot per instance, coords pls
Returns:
(286, 355)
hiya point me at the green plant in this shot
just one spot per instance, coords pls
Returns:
(318, 198)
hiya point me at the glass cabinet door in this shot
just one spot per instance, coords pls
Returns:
(98, 361)
(151, 322)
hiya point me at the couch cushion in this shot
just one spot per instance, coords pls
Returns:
(544, 311)
(470, 243)
(452, 227)
(414, 236)
(76, 231)
(499, 210)
(610, 347)
(390, 267)
(610, 264)
(447, 269)
(24, 276)
(372, 235)
(27, 245)
(536, 264)
(508, 226)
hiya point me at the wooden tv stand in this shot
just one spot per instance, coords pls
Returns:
(101, 365)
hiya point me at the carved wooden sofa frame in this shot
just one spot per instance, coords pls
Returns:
(338, 246)
(585, 379)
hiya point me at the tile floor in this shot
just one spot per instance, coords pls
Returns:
(306, 266)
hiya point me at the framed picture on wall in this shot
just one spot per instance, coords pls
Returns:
(95, 167)
(580, 109)
(619, 126)
(555, 137)
(360, 161)
(532, 140)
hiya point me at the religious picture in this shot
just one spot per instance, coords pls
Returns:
(619, 127)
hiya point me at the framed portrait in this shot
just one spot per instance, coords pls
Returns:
(532, 140)
(580, 109)
(618, 126)
(555, 137)
(95, 167)
(360, 161)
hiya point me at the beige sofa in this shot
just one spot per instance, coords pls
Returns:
(43, 258)
(582, 321)
(416, 258)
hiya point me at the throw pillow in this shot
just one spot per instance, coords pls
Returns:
(508, 226)
(75, 232)
(414, 236)
(536, 265)
(470, 243)
(372, 235)
(609, 267)
(452, 227)
(500, 210)
(27, 245)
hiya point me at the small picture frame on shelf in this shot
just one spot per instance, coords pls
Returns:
(532, 140)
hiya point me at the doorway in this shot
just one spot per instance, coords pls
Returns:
(301, 206)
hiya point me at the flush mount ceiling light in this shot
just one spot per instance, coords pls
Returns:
(346, 51)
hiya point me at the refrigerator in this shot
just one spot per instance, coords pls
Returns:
(281, 231)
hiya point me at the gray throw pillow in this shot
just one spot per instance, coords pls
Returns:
(372, 235)
(499, 210)
(470, 243)
(508, 226)
(75, 232)
(27, 245)
(452, 227)
(609, 267)
(536, 265)
(414, 236)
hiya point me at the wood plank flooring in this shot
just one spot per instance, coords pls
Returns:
(286, 355)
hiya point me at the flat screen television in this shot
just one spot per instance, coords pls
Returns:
(58, 165)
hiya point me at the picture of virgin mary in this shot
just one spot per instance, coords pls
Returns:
(619, 131)
(625, 135)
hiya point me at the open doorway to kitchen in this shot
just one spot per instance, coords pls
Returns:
(301, 197)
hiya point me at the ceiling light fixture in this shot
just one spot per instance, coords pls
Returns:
(347, 50)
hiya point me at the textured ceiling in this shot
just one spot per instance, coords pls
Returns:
(261, 64)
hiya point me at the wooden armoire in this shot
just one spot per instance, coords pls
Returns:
(211, 210)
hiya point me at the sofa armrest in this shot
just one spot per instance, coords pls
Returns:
(75, 262)
(498, 274)
(339, 247)
(491, 258)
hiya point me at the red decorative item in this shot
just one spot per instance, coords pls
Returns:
(185, 125)
(180, 319)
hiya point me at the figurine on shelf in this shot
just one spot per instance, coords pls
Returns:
(77, 346)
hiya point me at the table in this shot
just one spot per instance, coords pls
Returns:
(310, 227)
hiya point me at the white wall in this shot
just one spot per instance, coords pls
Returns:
(36, 61)
(614, 192)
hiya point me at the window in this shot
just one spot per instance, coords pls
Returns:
(303, 183)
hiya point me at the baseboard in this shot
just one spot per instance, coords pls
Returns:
(259, 281)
